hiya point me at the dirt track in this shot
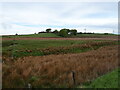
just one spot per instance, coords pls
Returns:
(52, 38)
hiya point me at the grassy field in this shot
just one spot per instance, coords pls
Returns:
(20, 48)
(32, 35)
(109, 80)
(10, 46)
(33, 44)
(55, 35)
(49, 63)
(95, 35)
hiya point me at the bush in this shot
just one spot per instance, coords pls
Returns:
(64, 32)
(106, 33)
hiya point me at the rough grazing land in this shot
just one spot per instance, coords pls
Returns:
(52, 47)
(58, 38)
(55, 70)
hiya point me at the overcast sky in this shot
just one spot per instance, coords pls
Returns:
(31, 17)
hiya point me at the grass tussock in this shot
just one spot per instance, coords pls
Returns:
(55, 70)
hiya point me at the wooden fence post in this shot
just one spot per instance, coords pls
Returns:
(73, 77)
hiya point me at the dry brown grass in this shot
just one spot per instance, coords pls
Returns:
(59, 38)
(55, 70)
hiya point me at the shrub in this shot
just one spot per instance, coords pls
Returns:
(64, 32)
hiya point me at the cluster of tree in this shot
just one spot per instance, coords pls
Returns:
(63, 32)
(48, 30)
(67, 32)
(16, 34)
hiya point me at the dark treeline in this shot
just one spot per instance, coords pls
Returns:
(65, 32)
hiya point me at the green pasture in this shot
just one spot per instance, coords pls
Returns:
(97, 35)
(109, 80)
(20, 48)
(32, 35)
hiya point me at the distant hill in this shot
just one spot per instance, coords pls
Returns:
(33, 35)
